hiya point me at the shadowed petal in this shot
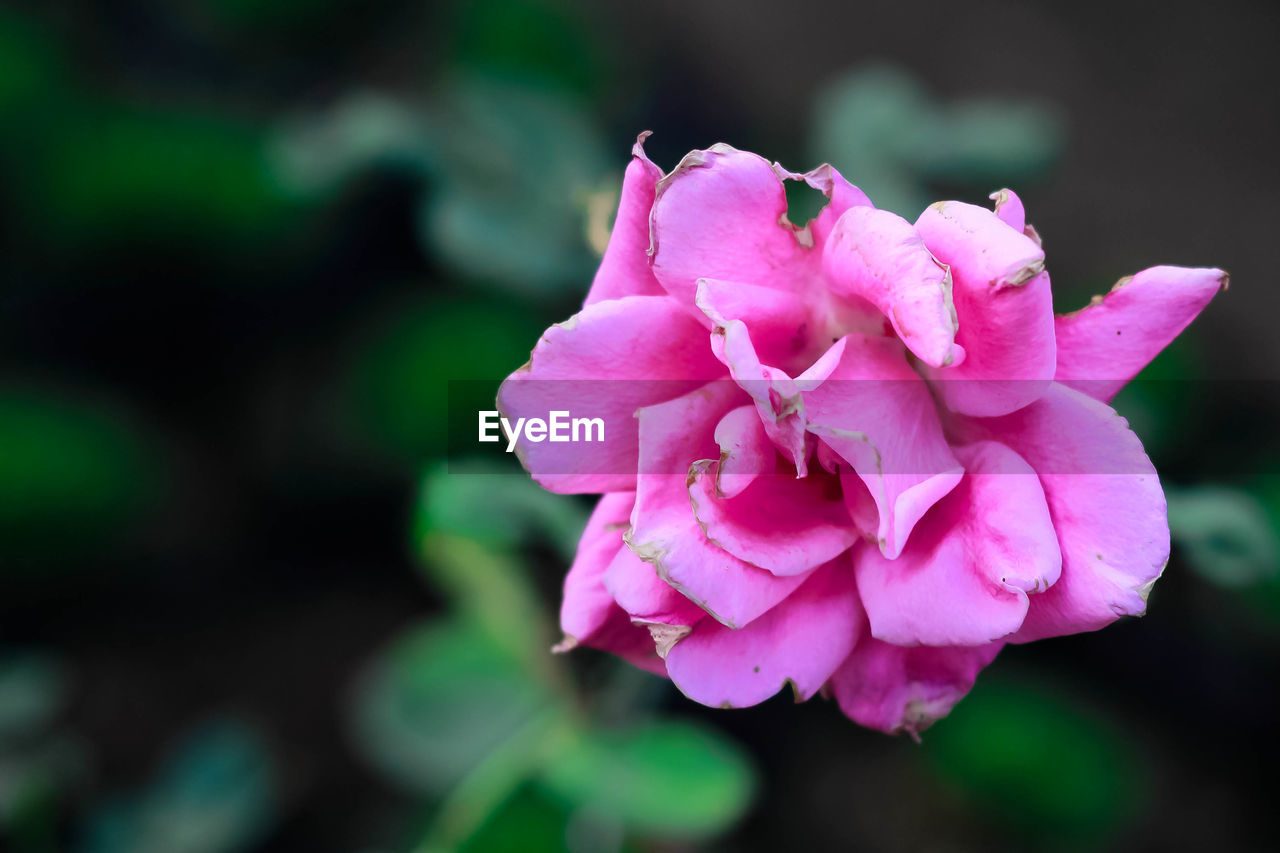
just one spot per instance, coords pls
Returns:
(625, 269)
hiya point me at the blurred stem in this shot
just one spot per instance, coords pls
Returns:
(491, 782)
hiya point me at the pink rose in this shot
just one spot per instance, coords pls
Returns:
(861, 455)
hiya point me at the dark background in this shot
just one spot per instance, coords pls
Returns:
(230, 302)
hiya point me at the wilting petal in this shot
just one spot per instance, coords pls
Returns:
(1106, 504)
(1004, 307)
(625, 268)
(1104, 345)
(664, 530)
(649, 601)
(588, 614)
(896, 688)
(876, 413)
(722, 214)
(745, 451)
(800, 641)
(605, 362)
(780, 523)
(878, 256)
(783, 329)
(1010, 210)
(963, 579)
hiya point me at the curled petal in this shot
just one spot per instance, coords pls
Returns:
(780, 523)
(745, 451)
(877, 255)
(606, 361)
(877, 415)
(722, 213)
(964, 578)
(624, 270)
(1104, 345)
(1010, 210)
(800, 641)
(896, 688)
(665, 532)
(1106, 504)
(1003, 305)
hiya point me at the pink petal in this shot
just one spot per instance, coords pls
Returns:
(605, 362)
(776, 395)
(783, 329)
(1106, 504)
(964, 577)
(722, 214)
(625, 269)
(876, 413)
(664, 530)
(1010, 210)
(1004, 307)
(801, 641)
(745, 451)
(1104, 345)
(649, 601)
(588, 614)
(877, 255)
(780, 523)
(894, 689)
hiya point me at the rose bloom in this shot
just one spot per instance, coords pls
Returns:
(857, 456)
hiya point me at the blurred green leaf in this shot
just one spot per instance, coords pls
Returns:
(497, 506)
(32, 65)
(529, 822)
(509, 164)
(73, 476)
(32, 690)
(890, 137)
(438, 701)
(397, 387)
(115, 170)
(215, 794)
(666, 778)
(1224, 534)
(493, 592)
(1033, 760)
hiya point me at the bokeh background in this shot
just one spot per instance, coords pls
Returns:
(246, 605)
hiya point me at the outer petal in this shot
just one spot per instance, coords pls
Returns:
(800, 641)
(624, 269)
(781, 523)
(963, 579)
(1104, 345)
(1106, 504)
(874, 412)
(649, 601)
(588, 614)
(722, 214)
(664, 530)
(1010, 210)
(894, 689)
(606, 361)
(1004, 307)
(878, 256)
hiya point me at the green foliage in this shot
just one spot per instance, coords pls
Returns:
(507, 166)
(664, 778)
(438, 701)
(1038, 763)
(215, 794)
(473, 706)
(891, 138)
(1224, 534)
(397, 390)
(74, 476)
